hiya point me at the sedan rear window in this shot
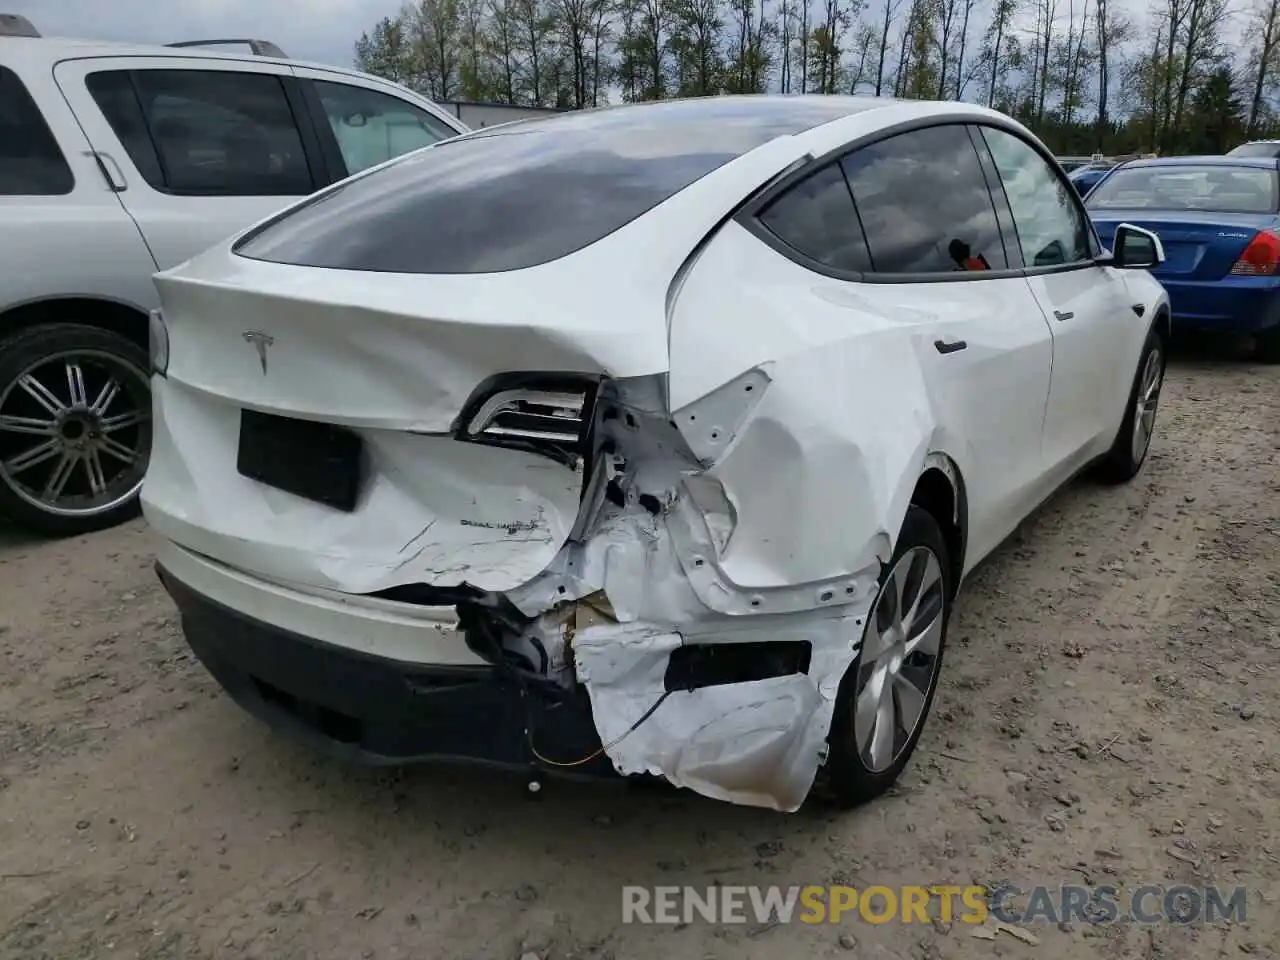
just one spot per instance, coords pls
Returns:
(527, 193)
(1213, 188)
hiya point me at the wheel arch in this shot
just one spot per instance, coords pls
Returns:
(940, 491)
(115, 316)
(1162, 323)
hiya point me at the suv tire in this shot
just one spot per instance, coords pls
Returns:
(75, 428)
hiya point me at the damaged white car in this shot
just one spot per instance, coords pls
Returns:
(653, 440)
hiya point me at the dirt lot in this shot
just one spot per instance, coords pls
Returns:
(1108, 714)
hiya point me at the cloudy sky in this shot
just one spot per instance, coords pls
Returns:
(322, 30)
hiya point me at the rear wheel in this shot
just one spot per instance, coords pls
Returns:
(75, 428)
(886, 694)
(1129, 451)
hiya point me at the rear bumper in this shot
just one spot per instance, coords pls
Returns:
(1232, 305)
(371, 709)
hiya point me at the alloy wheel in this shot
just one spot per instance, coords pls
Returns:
(75, 432)
(899, 658)
(1148, 398)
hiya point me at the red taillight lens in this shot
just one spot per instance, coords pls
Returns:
(1261, 258)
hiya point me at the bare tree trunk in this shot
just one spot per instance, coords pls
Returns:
(995, 61)
(804, 46)
(964, 37)
(784, 46)
(890, 8)
(1049, 8)
(899, 83)
(1266, 52)
(944, 44)
(1176, 12)
(1104, 35)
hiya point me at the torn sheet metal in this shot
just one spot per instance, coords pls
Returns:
(758, 743)
(653, 550)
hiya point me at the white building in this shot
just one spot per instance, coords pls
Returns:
(476, 115)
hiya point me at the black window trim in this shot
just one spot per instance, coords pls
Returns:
(328, 153)
(302, 121)
(747, 216)
(1000, 200)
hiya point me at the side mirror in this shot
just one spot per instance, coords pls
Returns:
(1136, 248)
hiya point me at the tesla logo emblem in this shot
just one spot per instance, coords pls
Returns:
(260, 343)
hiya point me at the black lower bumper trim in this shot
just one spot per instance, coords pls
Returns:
(370, 709)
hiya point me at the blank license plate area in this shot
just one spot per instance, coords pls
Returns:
(317, 461)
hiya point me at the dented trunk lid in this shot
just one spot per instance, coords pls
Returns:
(390, 360)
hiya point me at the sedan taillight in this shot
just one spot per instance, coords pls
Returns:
(1261, 258)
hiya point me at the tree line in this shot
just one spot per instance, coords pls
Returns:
(1086, 75)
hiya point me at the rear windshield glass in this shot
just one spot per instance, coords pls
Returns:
(521, 195)
(1219, 189)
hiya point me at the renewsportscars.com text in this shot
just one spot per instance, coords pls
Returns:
(973, 904)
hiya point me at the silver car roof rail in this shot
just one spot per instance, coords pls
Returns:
(16, 25)
(259, 48)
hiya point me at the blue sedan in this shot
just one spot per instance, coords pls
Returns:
(1085, 179)
(1219, 221)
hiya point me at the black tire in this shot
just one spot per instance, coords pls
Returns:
(1266, 346)
(850, 779)
(99, 355)
(1122, 463)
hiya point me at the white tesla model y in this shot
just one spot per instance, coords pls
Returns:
(651, 440)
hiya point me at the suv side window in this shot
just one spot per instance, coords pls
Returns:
(206, 132)
(816, 217)
(31, 164)
(1051, 227)
(372, 127)
(924, 203)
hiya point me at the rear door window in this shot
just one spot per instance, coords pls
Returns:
(31, 163)
(924, 203)
(373, 127)
(206, 132)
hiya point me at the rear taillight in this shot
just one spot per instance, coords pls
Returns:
(549, 414)
(1261, 258)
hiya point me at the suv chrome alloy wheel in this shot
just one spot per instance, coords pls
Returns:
(899, 658)
(75, 432)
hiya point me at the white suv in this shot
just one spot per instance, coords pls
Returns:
(117, 161)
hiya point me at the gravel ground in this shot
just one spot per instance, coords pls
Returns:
(1108, 714)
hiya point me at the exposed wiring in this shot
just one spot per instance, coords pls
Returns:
(527, 679)
(608, 746)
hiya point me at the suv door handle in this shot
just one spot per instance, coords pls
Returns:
(945, 347)
(1063, 314)
(110, 171)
